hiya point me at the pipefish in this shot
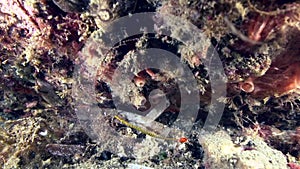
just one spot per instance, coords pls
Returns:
(147, 132)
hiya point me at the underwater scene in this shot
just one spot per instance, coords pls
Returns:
(150, 84)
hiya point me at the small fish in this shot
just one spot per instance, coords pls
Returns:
(150, 133)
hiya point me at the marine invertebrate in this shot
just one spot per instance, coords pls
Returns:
(276, 82)
(264, 26)
(283, 77)
(265, 23)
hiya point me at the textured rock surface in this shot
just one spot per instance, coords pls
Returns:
(221, 152)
